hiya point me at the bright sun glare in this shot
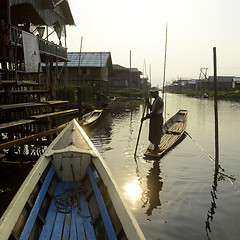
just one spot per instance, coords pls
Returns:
(132, 192)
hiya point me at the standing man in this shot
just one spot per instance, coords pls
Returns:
(156, 119)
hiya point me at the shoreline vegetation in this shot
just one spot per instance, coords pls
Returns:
(123, 94)
(89, 100)
(222, 95)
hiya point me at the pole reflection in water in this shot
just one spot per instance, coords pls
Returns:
(130, 129)
(211, 211)
(213, 205)
(154, 186)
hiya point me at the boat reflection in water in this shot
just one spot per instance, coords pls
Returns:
(154, 186)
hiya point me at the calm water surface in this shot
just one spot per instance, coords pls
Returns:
(177, 197)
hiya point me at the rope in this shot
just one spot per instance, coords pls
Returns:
(212, 159)
(68, 199)
(65, 203)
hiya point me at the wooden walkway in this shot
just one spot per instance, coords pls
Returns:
(55, 114)
(29, 121)
(16, 123)
(31, 104)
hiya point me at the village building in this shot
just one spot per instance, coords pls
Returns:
(144, 83)
(28, 31)
(123, 77)
(88, 68)
(25, 30)
(224, 83)
(135, 78)
(120, 77)
(236, 83)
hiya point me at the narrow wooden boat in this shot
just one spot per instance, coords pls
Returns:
(173, 131)
(106, 100)
(69, 194)
(89, 119)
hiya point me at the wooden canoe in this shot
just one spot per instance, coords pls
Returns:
(69, 194)
(173, 131)
(105, 100)
(89, 119)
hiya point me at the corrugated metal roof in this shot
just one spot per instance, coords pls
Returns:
(87, 59)
(222, 78)
(118, 67)
(134, 70)
(49, 12)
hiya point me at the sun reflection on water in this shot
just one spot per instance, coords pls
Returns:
(133, 192)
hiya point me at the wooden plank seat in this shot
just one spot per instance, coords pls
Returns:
(55, 114)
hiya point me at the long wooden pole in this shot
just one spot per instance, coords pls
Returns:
(79, 62)
(165, 62)
(140, 129)
(150, 75)
(164, 73)
(216, 110)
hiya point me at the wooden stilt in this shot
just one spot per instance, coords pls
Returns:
(79, 102)
(216, 110)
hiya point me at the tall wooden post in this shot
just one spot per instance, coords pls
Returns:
(47, 75)
(79, 102)
(164, 77)
(216, 110)
(79, 62)
(51, 79)
(65, 68)
(8, 13)
(130, 77)
(16, 62)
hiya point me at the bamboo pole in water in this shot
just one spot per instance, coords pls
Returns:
(164, 74)
(216, 110)
(79, 62)
(140, 129)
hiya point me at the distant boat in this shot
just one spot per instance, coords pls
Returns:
(69, 194)
(173, 131)
(89, 119)
(106, 100)
(205, 95)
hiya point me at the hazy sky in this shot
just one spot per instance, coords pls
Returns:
(194, 28)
